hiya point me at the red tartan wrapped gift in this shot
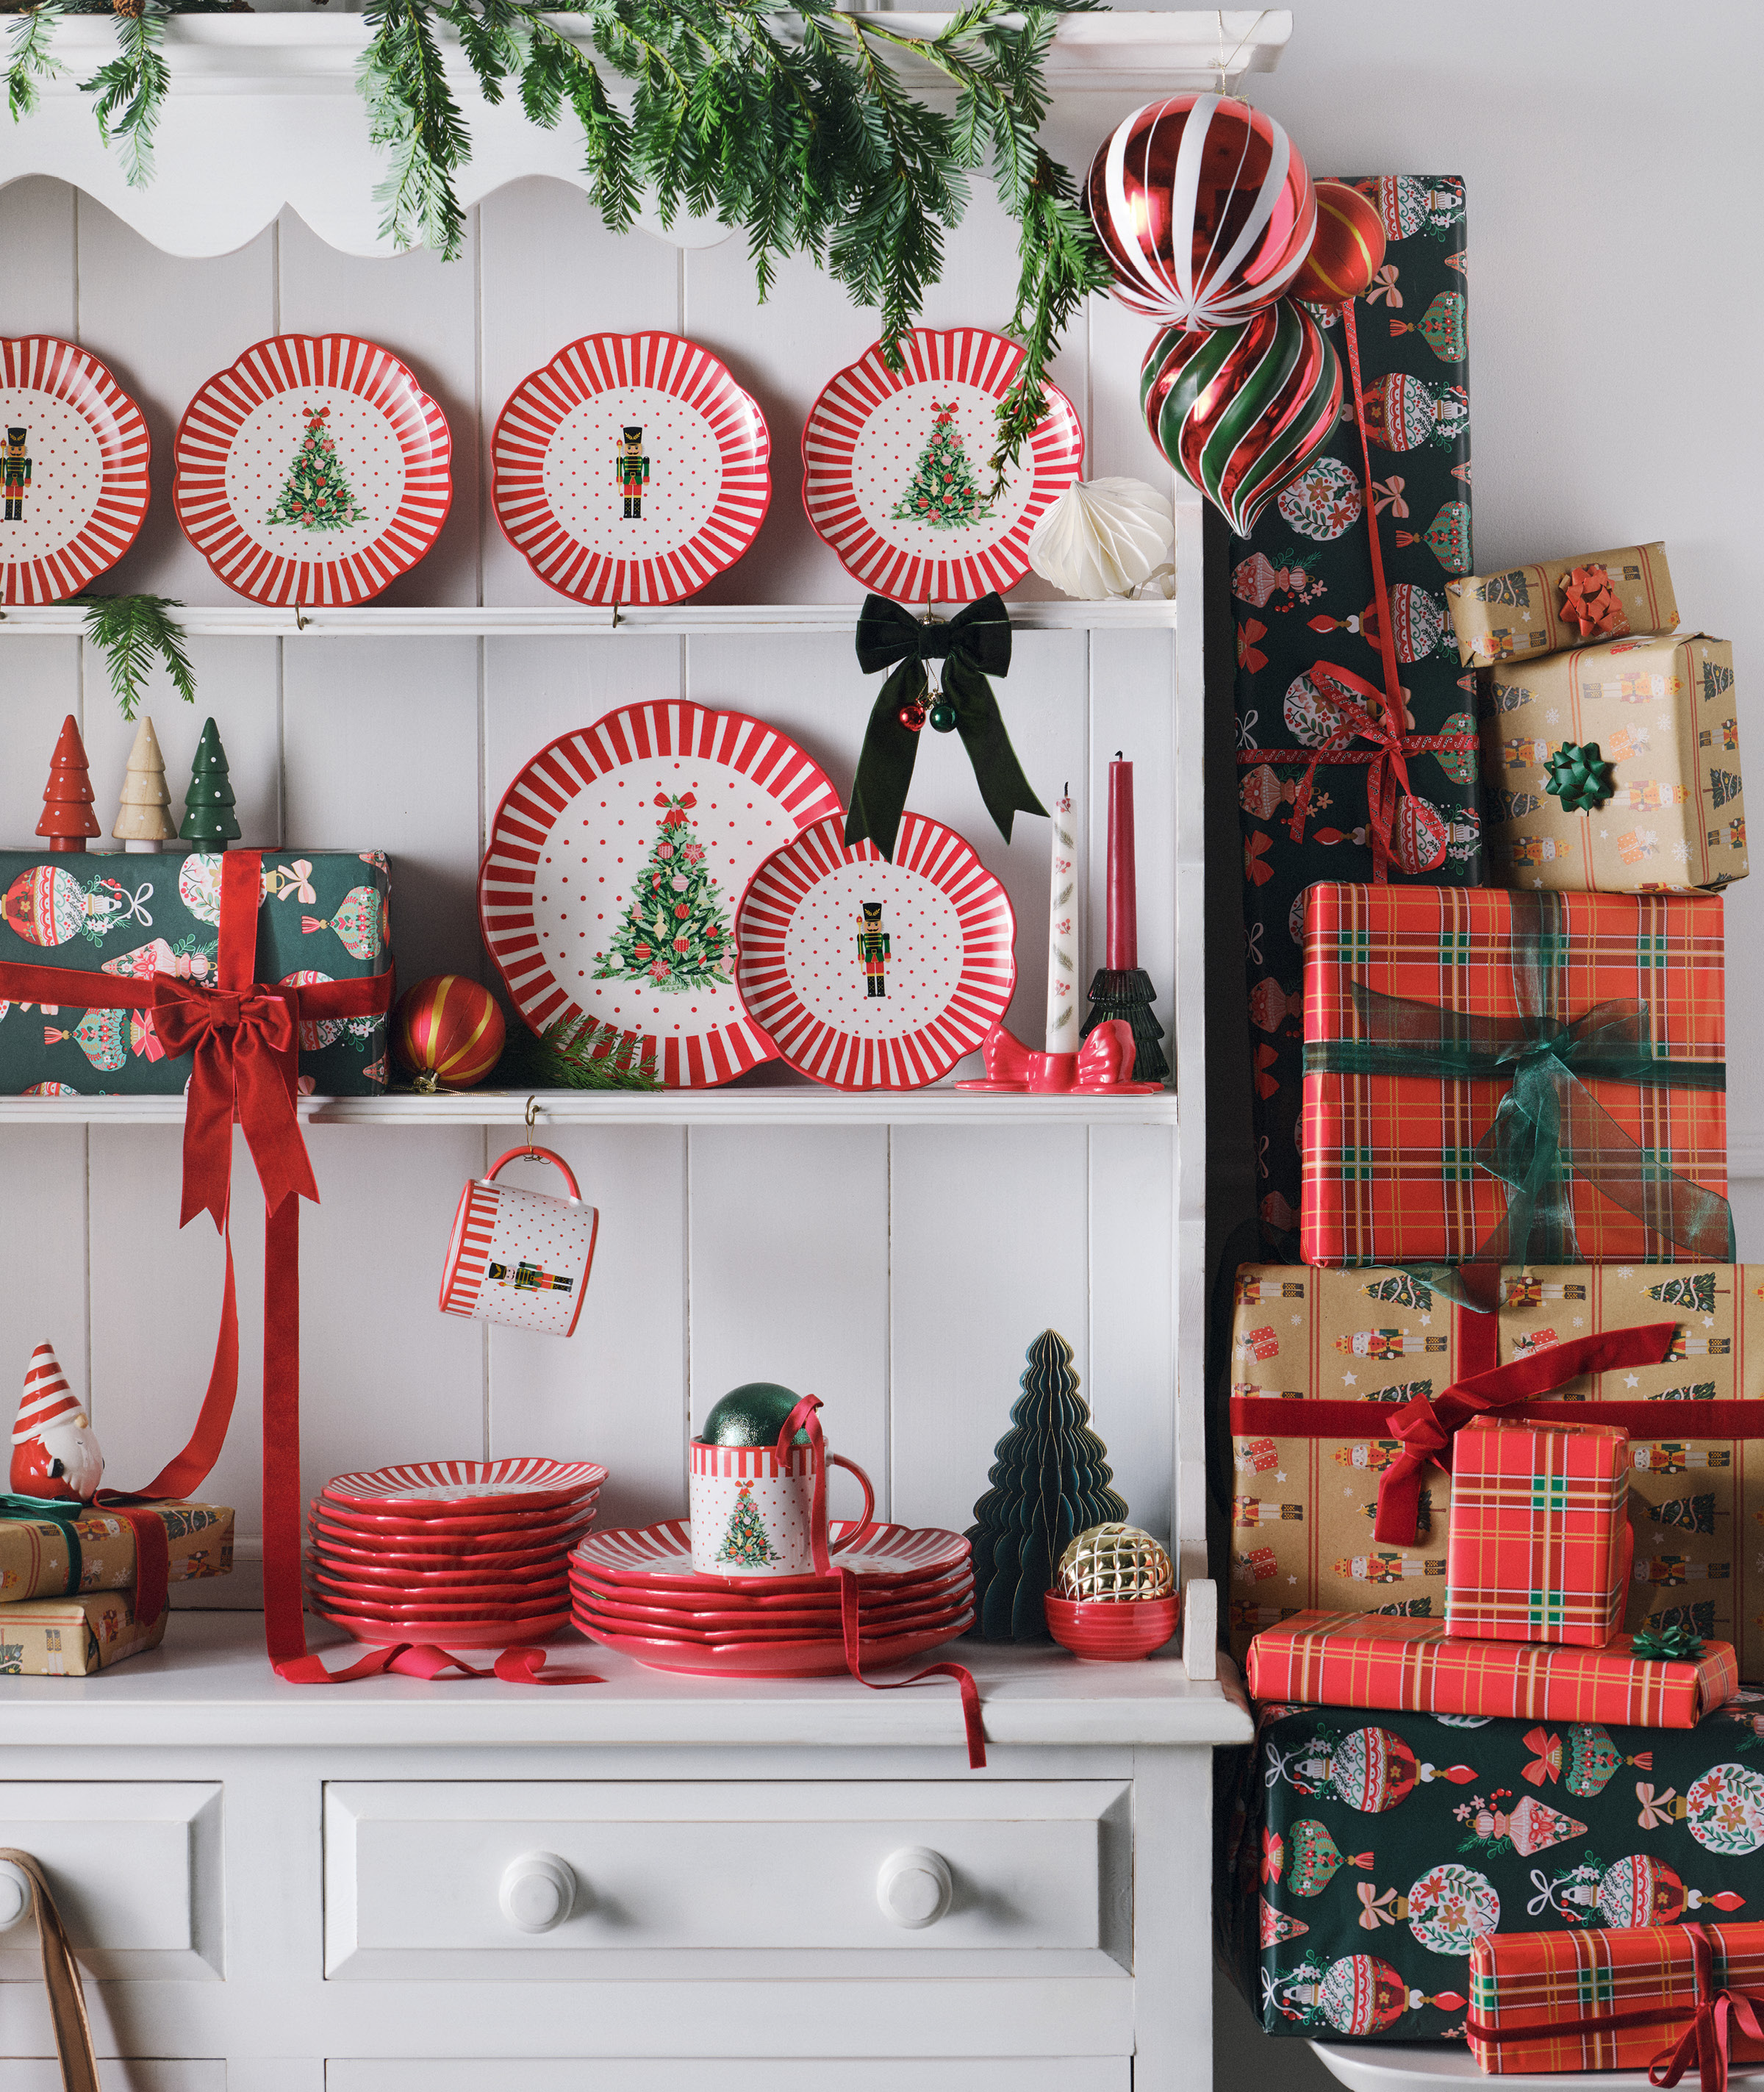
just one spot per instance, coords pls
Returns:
(1540, 1544)
(1618, 1998)
(1372, 1660)
(1513, 1076)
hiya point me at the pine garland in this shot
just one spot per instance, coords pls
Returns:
(133, 633)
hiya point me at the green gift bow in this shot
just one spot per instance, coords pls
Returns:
(52, 1510)
(975, 644)
(1579, 777)
(1549, 1125)
(1673, 1645)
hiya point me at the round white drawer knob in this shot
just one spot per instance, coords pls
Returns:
(15, 1895)
(914, 1887)
(538, 1890)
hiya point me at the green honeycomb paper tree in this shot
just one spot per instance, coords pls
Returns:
(1050, 1478)
(208, 804)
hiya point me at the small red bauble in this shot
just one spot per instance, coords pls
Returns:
(912, 716)
(1348, 250)
(448, 1032)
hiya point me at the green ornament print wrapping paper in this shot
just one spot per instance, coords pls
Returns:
(322, 916)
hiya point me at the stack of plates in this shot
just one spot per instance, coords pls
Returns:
(468, 1554)
(637, 1591)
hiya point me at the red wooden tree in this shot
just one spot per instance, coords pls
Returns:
(67, 815)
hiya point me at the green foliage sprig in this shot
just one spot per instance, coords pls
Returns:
(578, 1055)
(134, 633)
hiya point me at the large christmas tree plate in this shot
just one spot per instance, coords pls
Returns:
(314, 470)
(662, 1555)
(869, 976)
(897, 473)
(632, 469)
(73, 470)
(615, 863)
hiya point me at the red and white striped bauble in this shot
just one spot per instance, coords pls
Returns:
(1205, 209)
(447, 1031)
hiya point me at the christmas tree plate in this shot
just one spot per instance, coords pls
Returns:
(441, 1633)
(897, 475)
(73, 470)
(632, 469)
(314, 470)
(467, 1489)
(768, 1659)
(615, 863)
(662, 1554)
(868, 976)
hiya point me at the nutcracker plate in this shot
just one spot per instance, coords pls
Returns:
(314, 470)
(632, 469)
(897, 476)
(872, 975)
(615, 861)
(73, 470)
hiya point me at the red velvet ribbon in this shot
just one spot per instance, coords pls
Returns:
(520, 1666)
(850, 1602)
(806, 1417)
(1427, 1427)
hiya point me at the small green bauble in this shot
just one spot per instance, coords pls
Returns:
(943, 716)
(751, 1416)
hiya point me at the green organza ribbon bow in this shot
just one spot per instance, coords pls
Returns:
(1548, 1127)
(975, 644)
(1579, 777)
(1673, 1645)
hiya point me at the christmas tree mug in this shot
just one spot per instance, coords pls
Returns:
(520, 1257)
(760, 1510)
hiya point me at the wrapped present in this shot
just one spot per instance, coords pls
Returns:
(1404, 1839)
(49, 1550)
(153, 922)
(1372, 1660)
(1618, 1997)
(73, 1637)
(1540, 1545)
(1335, 781)
(1562, 602)
(1615, 769)
(1509, 1076)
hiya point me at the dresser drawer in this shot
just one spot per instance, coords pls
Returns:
(42, 2073)
(1017, 2074)
(521, 1879)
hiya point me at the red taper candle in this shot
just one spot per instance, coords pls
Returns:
(1123, 896)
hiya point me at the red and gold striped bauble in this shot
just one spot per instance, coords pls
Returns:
(447, 1031)
(1348, 251)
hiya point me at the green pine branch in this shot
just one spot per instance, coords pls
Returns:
(30, 62)
(130, 91)
(135, 633)
(575, 1055)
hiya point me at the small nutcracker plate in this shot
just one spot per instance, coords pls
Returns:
(609, 890)
(632, 469)
(314, 470)
(897, 475)
(73, 470)
(467, 1489)
(869, 976)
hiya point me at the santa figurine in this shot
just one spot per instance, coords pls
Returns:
(56, 1452)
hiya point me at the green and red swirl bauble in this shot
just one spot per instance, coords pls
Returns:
(1240, 410)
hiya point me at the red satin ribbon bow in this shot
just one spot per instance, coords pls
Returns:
(1427, 1427)
(1590, 605)
(1707, 2041)
(1363, 714)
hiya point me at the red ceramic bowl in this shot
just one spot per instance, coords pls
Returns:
(1112, 1630)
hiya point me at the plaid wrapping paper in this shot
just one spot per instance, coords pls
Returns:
(1302, 594)
(1539, 1547)
(1526, 611)
(1662, 714)
(1640, 1984)
(1371, 1660)
(1389, 1163)
(36, 1561)
(73, 1637)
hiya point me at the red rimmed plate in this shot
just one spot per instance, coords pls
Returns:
(497, 1597)
(442, 1489)
(444, 1634)
(459, 1562)
(74, 454)
(415, 1612)
(601, 841)
(347, 1564)
(620, 1620)
(662, 1554)
(711, 1600)
(855, 1013)
(314, 470)
(810, 1659)
(632, 469)
(439, 1535)
(897, 475)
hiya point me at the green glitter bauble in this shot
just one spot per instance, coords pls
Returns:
(752, 1415)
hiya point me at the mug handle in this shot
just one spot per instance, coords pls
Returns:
(867, 1523)
(537, 1155)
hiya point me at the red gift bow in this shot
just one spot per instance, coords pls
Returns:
(1707, 2040)
(1387, 774)
(1427, 1427)
(1590, 604)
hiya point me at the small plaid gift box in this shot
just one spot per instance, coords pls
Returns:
(1540, 1545)
(1627, 1998)
(1513, 1078)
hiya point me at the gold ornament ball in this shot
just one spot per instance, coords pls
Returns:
(1114, 1561)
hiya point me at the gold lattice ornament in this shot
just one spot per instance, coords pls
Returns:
(1114, 1561)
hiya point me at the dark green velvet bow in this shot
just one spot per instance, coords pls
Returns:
(51, 1511)
(975, 644)
(1579, 777)
(1674, 1644)
(1549, 1125)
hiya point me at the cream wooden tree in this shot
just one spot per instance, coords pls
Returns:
(144, 818)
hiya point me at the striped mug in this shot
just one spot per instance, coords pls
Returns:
(520, 1257)
(753, 1508)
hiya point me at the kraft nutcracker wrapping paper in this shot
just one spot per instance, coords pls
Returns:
(1562, 602)
(1365, 1855)
(36, 1560)
(74, 1637)
(323, 916)
(1661, 714)
(1561, 1084)
(1303, 594)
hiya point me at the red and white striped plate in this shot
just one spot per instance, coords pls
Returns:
(896, 475)
(662, 1555)
(73, 470)
(452, 1488)
(947, 977)
(573, 853)
(242, 451)
(568, 476)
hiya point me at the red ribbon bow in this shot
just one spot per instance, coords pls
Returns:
(1590, 605)
(1387, 773)
(1708, 2040)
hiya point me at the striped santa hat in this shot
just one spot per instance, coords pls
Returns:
(48, 1398)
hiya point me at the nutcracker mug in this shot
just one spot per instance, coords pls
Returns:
(759, 1511)
(520, 1257)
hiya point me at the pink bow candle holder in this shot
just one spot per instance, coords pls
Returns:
(1102, 1068)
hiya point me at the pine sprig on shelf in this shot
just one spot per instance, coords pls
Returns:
(30, 63)
(135, 633)
(581, 1055)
